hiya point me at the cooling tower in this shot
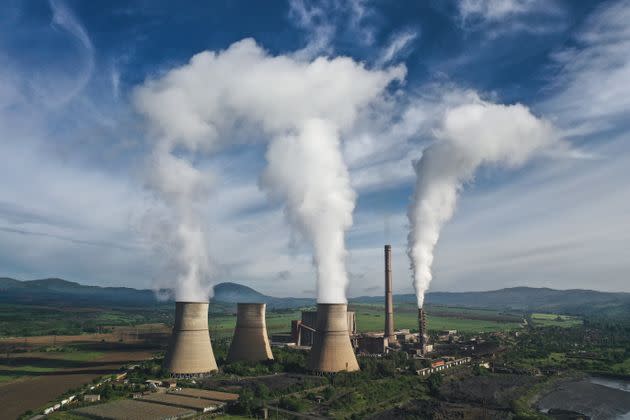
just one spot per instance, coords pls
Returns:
(190, 351)
(389, 302)
(332, 351)
(423, 337)
(250, 341)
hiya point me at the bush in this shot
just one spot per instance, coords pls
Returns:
(292, 404)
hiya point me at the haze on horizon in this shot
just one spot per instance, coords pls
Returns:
(75, 201)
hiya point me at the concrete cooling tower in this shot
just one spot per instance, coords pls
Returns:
(190, 351)
(250, 341)
(332, 350)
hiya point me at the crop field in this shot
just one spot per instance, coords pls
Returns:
(31, 379)
(555, 320)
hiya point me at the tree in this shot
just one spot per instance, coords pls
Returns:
(434, 382)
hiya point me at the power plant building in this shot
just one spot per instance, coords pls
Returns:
(250, 341)
(303, 331)
(190, 352)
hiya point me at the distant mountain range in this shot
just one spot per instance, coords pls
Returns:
(59, 291)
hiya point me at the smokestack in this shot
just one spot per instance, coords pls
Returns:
(332, 350)
(190, 351)
(250, 341)
(423, 337)
(389, 302)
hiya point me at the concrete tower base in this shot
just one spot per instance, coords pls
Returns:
(332, 351)
(190, 352)
(250, 341)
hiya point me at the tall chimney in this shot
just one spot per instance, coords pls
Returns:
(332, 350)
(190, 350)
(389, 302)
(250, 341)
(423, 337)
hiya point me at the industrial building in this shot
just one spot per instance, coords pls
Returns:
(440, 365)
(303, 330)
(250, 341)
(190, 352)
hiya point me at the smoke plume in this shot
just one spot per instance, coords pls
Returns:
(470, 136)
(241, 95)
(307, 171)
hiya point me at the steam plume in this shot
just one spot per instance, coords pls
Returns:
(471, 135)
(303, 107)
(307, 171)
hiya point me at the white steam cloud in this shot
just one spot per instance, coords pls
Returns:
(471, 135)
(302, 107)
(308, 172)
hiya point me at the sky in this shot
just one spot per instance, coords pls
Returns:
(77, 136)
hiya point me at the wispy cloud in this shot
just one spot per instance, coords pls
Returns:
(323, 21)
(496, 17)
(399, 44)
(589, 89)
(64, 19)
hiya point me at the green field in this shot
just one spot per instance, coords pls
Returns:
(371, 318)
(555, 320)
(223, 325)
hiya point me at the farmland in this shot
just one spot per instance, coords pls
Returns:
(32, 379)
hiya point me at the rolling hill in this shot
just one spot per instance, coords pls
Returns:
(63, 292)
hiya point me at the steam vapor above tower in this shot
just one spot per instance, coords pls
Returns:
(471, 135)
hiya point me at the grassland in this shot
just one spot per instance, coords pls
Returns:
(555, 320)
(466, 320)
(222, 325)
(371, 318)
(36, 320)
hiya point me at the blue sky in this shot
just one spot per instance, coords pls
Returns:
(73, 147)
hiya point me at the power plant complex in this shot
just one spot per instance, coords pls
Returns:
(329, 334)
